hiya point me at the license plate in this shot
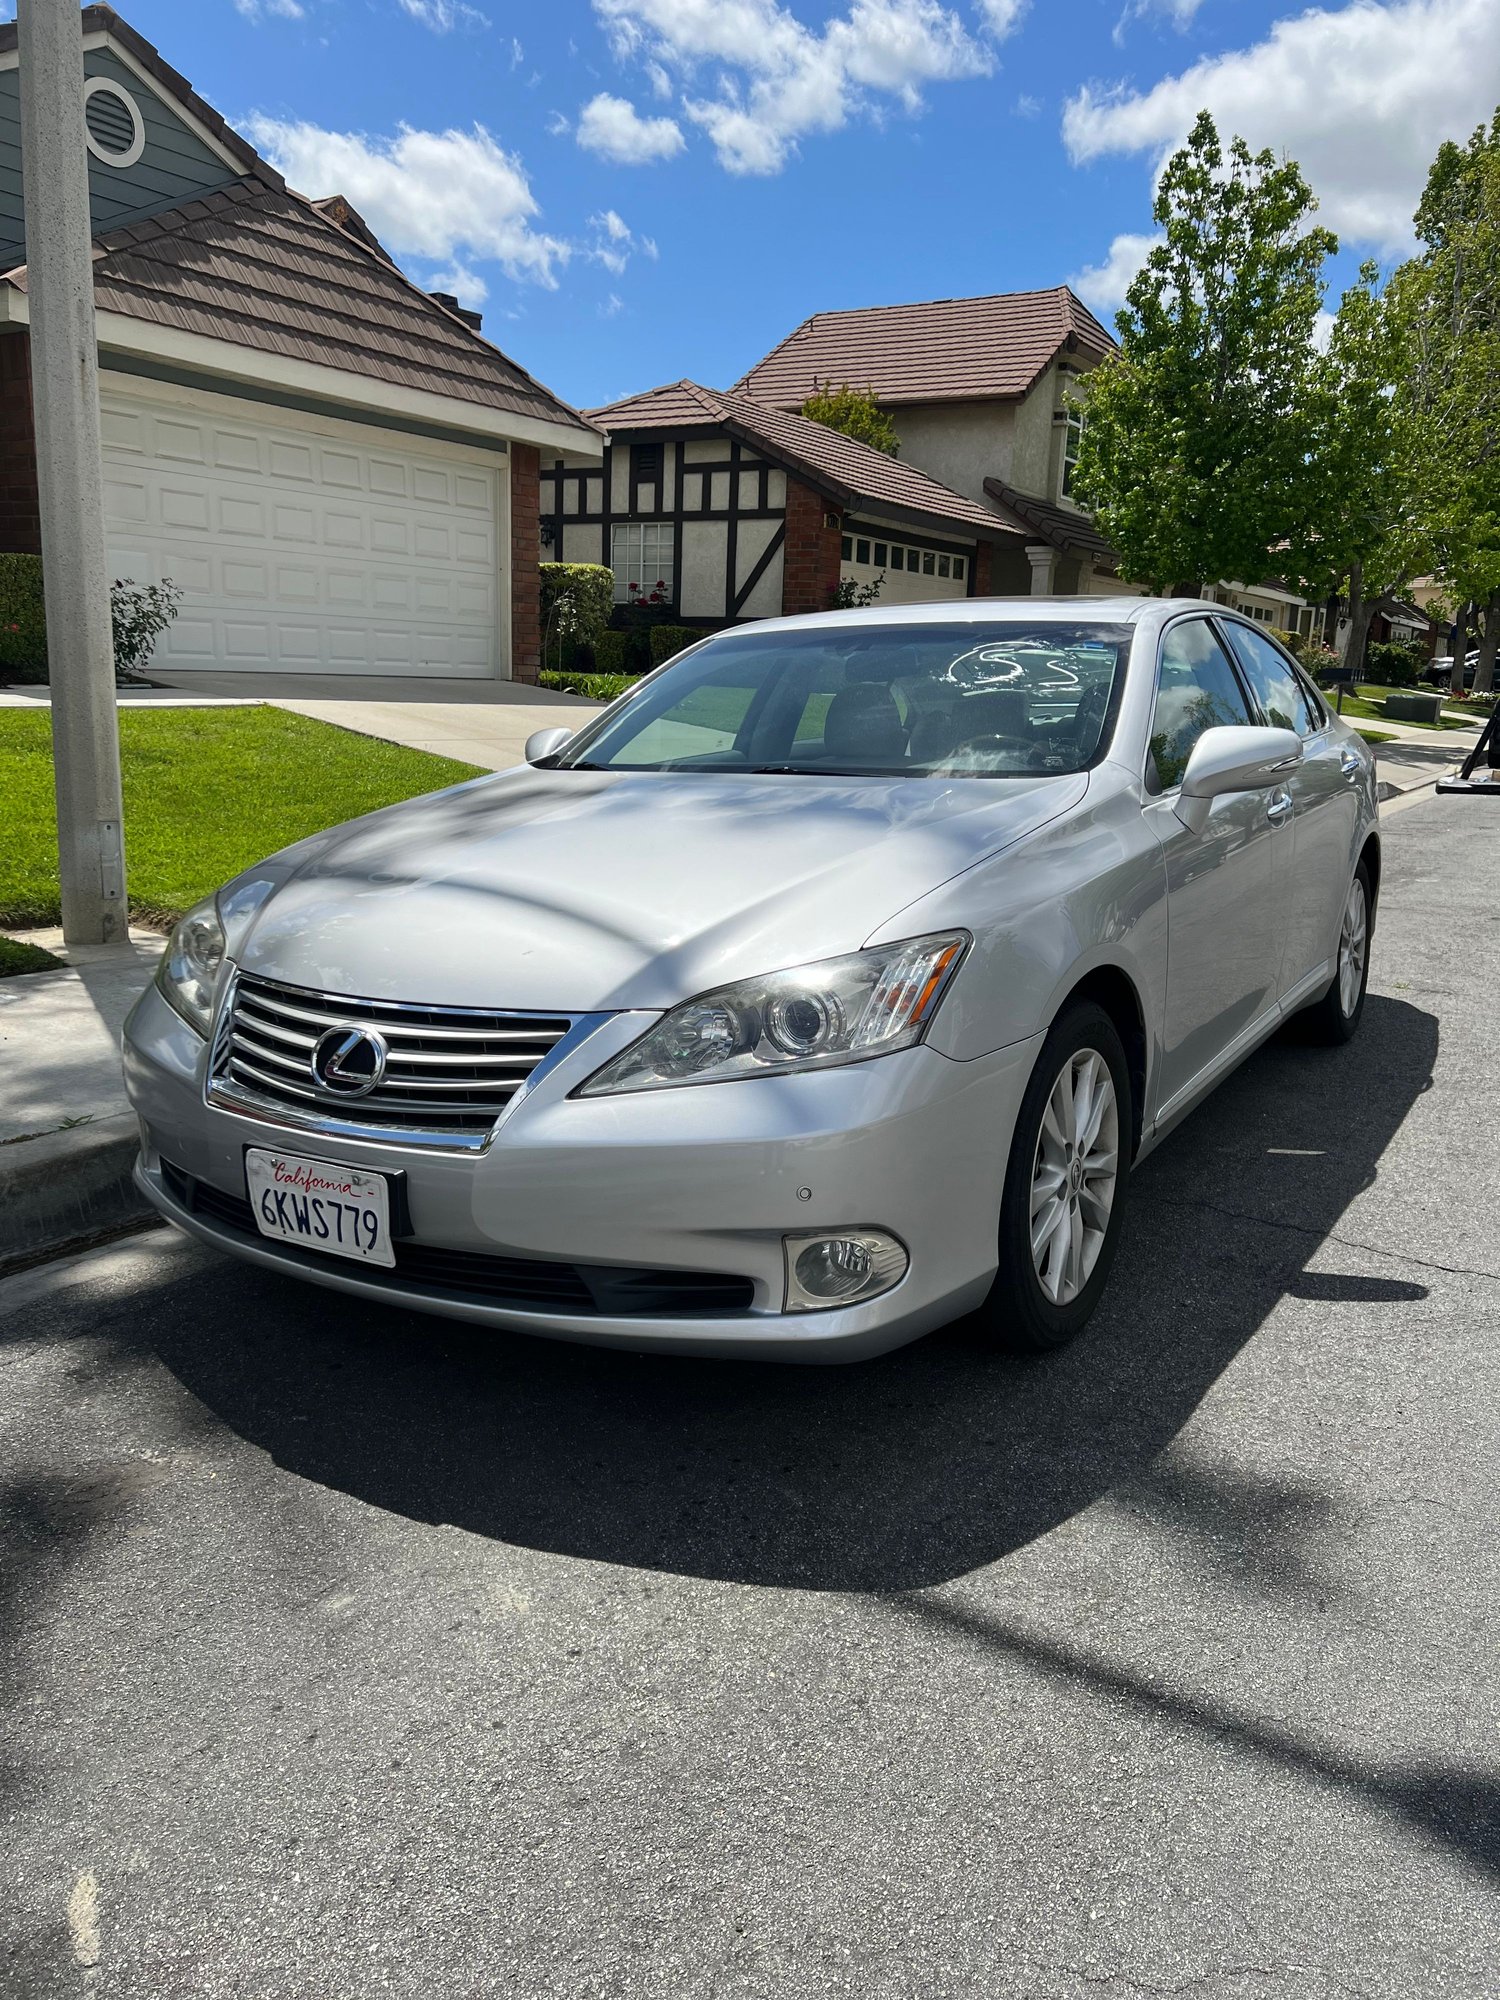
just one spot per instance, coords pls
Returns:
(321, 1205)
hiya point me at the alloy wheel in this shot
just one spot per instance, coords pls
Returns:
(1074, 1174)
(1354, 942)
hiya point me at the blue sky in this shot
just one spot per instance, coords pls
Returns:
(637, 190)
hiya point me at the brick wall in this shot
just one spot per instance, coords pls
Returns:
(981, 570)
(20, 517)
(525, 562)
(811, 557)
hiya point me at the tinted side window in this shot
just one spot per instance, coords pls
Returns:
(1196, 689)
(1277, 688)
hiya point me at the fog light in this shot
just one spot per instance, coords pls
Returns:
(840, 1269)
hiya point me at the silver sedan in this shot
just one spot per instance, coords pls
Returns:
(981, 898)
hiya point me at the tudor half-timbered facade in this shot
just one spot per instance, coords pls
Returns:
(725, 510)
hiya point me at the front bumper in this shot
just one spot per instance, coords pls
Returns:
(707, 1179)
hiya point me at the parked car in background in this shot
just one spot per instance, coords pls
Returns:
(825, 987)
(1440, 670)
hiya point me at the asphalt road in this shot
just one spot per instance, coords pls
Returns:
(352, 1654)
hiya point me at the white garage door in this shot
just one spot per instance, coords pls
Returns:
(301, 544)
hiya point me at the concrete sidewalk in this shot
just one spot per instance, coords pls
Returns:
(67, 1137)
(478, 722)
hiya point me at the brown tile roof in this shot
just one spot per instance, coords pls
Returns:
(944, 350)
(260, 267)
(851, 473)
(1075, 534)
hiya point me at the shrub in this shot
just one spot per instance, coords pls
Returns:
(669, 640)
(576, 602)
(139, 613)
(593, 687)
(611, 652)
(23, 621)
(1391, 664)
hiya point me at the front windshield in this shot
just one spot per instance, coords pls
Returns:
(983, 700)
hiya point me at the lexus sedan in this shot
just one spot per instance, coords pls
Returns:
(822, 989)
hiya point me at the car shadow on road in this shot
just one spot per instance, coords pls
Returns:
(892, 1475)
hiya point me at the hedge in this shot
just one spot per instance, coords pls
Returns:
(668, 640)
(591, 589)
(611, 652)
(593, 687)
(1389, 663)
(23, 621)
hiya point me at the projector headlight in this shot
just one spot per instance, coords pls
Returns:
(842, 1010)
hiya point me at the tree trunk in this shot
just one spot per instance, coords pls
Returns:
(1460, 650)
(1489, 640)
(1361, 612)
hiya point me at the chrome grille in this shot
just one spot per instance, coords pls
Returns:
(449, 1073)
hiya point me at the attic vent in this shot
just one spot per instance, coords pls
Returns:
(113, 128)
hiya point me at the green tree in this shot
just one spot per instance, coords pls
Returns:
(1194, 456)
(1446, 311)
(856, 413)
(1356, 539)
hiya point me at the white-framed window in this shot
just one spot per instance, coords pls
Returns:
(870, 554)
(640, 554)
(1072, 438)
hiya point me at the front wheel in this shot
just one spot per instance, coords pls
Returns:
(1065, 1185)
(1334, 1018)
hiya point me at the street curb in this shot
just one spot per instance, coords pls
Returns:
(66, 1189)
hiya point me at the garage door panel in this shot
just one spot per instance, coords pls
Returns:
(396, 567)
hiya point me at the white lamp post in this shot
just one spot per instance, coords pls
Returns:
(65, 395)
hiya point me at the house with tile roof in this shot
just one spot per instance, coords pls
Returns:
(982, 392)
(725, 508)
(989, 396)
(336, 467)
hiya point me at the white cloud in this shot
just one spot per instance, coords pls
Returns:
(449, 195)
(1003, 17)
(775, 80)
(1103, 286)
(557, 126)
(612, 127)
(1360, 95)
(466, 285)
(254, 10)
(1027, 106)
(612, 305)
(614, 242)
(443, 16)
(1180, 13)
(660, 82)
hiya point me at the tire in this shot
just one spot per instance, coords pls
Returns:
(1040, 1301)
(1334, 1019)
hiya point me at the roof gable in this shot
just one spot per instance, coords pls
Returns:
(851, 473)
(185, 149)
(941, 350)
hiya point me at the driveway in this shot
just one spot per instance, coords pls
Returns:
(353, 1653)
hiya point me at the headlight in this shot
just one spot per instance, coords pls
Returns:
(190, 965)
(840, 1011)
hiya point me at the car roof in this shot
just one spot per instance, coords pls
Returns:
(997, 610)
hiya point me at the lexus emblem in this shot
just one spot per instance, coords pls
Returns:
(349, 1062)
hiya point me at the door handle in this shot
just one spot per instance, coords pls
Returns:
(1349, 762)
(1280, 807)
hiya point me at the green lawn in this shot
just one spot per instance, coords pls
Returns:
(207, 792)
(16, 958)
(1367, 703)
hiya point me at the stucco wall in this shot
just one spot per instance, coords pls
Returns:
(961, 444)
(700, 588)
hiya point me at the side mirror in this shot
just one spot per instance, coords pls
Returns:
(544, 743)
(1234, 759)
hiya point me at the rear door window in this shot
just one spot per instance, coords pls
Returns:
(1276, 685)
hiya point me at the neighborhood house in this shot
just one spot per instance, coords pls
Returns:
(336, 467)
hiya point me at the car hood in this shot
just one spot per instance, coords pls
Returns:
(575, 891)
